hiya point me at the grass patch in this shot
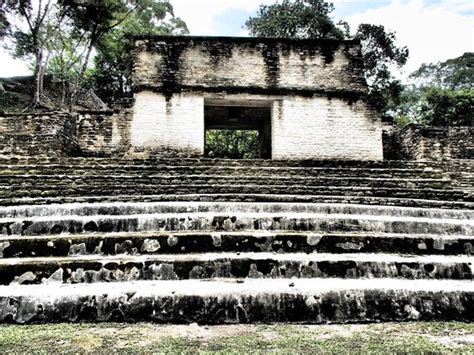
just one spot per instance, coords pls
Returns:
(417, 338)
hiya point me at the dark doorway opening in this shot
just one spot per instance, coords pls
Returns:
(237, 129)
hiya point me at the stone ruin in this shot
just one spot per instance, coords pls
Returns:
(118, 215)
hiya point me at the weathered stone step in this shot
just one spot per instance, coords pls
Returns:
(131, 208)
(238, 221)
(146, 170)
(241, 301)
(150, 189)
(241, 197)
(134, 243)
(231, 265)
(218, 162)
(31, 181)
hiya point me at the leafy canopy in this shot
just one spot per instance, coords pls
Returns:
(295, 19)
(62, 37)
(441, 94)
(232, 144)
(113, 62)
(447, 107)
(455, 73)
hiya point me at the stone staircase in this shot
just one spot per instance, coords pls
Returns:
(222, 241)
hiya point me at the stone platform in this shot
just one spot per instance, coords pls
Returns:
(222, 241)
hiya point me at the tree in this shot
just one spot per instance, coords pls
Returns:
(311, 19)
(113, 62)
(41, 29)
(447, 107)
(94, 19)
(379, 52)
(61, 36)
(295, 19)
(29, 25)
(4, 23)
(67, 57)
(441, 94)
(232, 144)
(456, 73)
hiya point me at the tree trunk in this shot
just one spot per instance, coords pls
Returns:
(78, 85)
(38, 78)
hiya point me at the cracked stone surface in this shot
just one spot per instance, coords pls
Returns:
(217, 302)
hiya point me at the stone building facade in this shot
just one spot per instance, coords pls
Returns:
(305, 97)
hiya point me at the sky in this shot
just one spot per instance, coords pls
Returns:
(433, 30)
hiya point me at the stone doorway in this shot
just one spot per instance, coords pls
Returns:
(246, 123)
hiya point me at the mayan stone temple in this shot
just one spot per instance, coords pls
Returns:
(119, 215)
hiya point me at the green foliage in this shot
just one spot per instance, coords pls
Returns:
(95, 17)
(59, 37)
(435, 106)
(113, 61)
(29, 26)
(67, 48)
(232, 144)
(311, 19)
(295, 19)
(442, 94)
(408, 107)
(447, 107)
(456, 73)
(23, 24)
(4, 23)
(91, 21)
(379, 53)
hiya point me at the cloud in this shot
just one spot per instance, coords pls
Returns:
(201, 15)
(432, 32)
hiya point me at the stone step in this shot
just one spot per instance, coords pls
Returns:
(146, 170)
(117, 161)
(99, 268)
(241, 301)
(161, 189)
(235, 221)
(150, 243)
(242, 197)
(65, 181)
(139, 208)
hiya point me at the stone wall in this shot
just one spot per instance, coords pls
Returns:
(55, 134)
(251, 65)
(173, 126)
(46, 134)
(316, 89)
(301, 128)
(104, 133)
(322, 128)
(415, 142)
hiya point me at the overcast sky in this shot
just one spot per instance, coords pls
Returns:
(433, 30)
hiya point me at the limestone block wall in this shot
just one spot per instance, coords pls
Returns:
(45, 134)
(302, 128)
(174, 64)
(316, 89)
(415, 142)
(322, 128)
(168, 126)
(104, 133)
